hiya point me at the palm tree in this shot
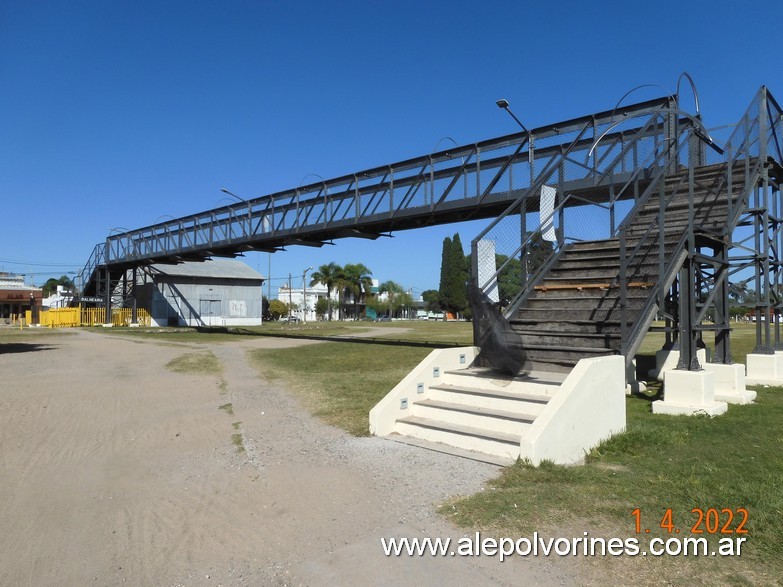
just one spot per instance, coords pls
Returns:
(357, 279)
(330, 276)
(392, 288)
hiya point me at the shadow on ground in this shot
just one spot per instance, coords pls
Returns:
(23, 347)
(326, 338)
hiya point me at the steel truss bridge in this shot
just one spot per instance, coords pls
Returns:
(607, 159)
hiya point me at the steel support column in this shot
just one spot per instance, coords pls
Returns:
(134, 316)
(688, 335)
(722, 320)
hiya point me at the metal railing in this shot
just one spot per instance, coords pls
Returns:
(591, 206)
(471, 181)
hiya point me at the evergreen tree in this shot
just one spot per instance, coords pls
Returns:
(445, 275)
(459, 279)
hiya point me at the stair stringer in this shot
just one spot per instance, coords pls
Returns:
(396, 403)
(588, 408)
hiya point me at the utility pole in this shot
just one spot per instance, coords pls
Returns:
(304, 294)
(290, 301)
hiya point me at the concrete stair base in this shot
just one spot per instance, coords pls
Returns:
(475, 411)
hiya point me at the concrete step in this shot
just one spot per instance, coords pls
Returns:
(538, 359)
(492, 398)
(534, 386)
(464, 437)
(452, 450)
(510, 422)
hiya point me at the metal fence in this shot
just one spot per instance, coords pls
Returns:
(79, 316)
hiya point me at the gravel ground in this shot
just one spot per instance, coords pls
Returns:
(115, 470)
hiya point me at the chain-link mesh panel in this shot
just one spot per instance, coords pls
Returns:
(501, 347)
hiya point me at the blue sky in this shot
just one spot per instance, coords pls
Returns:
(114, 114)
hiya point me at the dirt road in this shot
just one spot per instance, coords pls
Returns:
(115, 470)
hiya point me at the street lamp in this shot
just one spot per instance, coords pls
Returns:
(304, 294)
(503, 104)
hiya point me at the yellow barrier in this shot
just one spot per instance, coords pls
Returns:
(72, 317)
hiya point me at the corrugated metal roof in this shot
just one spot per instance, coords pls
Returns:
(216, 268)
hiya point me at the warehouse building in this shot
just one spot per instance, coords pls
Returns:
(220, 292)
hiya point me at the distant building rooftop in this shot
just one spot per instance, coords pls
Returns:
(215, 269)
(16, 282)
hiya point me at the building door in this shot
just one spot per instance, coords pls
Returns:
(209, 309)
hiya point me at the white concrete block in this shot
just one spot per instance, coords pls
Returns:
(730, 383)
(689, 393)
(632, 385)
(764, 369)
(667, 361)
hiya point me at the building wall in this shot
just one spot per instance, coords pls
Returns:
(16, 298)
(184, 301)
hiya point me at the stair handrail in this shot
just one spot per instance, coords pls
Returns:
(654, 160)
(85, 275)
(660, 170)
(541, 180)
(740, 147)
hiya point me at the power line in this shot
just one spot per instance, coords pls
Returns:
(39, 264)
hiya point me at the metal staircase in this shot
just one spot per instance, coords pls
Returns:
(666, 234)
(564, 291)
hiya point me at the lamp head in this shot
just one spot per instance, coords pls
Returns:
(502, 103)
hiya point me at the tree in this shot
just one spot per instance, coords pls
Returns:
(265, 315)
(445, 275)
(459, 276)
(330, 276)
(51, 284)
(392, 289)
(357, 279)
(431, 299)
(403, 301)
(453, 276)
(321, 307)
(278, 309)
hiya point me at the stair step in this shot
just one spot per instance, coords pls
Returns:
(475, 416)
(557, 337)
(586, 350)
(452, 450)
(568, 327)
(481, 433)
(495, 393)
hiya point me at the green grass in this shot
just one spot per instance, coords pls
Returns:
(204, 363)
(431, 331)
(236, 440)
(16, 335)
(660, 462)
(339, 381)
(228, 408)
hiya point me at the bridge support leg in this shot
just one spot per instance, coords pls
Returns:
(688, 335)
(689, 389)
(107, 323)
(134, 311)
